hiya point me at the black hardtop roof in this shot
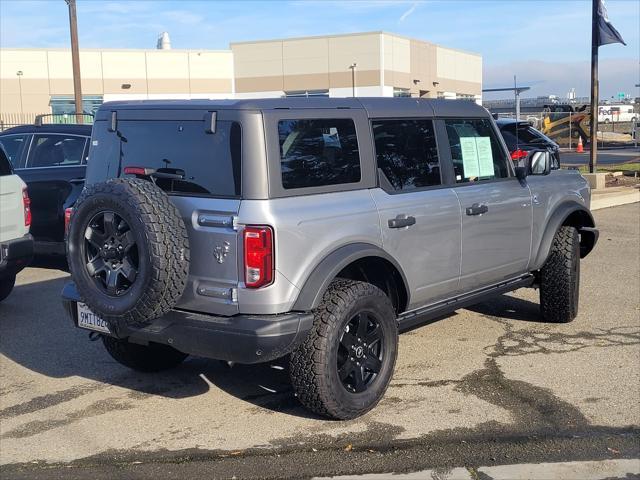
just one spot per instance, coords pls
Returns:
(75, 129)
(374, 106)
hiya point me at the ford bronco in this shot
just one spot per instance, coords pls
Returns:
(248, 230)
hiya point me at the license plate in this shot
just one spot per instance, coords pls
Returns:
(89, 320)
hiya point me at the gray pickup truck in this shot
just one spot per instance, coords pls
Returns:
(315, 228)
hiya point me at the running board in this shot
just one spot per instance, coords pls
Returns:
(420, 315)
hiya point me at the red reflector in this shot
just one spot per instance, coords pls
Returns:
(26, 204)
(68, 213)
(136, 171)
(258, 256)
(518, 155)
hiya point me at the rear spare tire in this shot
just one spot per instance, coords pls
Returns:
(128, 252)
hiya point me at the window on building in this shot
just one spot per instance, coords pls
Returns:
(63, 107)
(406, 152)
(475, 151)
(318, 152)
(14, 145)
(307, 93)
(401, 92)
(54, 150)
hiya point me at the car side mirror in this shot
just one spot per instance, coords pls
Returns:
(539, 162)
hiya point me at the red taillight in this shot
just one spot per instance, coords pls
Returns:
(518, 155)
(258, 256)
(26, 204)
(68, 213)
(138, 171)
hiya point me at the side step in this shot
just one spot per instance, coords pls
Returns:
(420, 315)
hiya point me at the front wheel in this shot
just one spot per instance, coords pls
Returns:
(344, 367)
(560, 278)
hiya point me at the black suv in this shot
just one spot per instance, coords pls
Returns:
(521, 139)
(51, 159)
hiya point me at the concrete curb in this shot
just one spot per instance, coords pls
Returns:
(613, 199)
(597, 470)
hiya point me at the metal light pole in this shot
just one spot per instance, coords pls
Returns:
(75, 58)
(19, 74)
(353, 78)
(593, 127)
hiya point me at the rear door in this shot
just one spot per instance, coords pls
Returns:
(11, 206)
(182, 142)
(53, 163)
(496, 207)
(419, 217)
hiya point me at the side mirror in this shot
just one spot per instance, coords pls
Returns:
(539, 162)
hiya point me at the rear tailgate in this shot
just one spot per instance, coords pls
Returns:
(11, 208)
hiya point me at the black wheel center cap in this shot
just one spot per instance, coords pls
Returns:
(110, 253)
(359, 352)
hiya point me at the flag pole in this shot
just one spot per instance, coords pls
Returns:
(593, 151)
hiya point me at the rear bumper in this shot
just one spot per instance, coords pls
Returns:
(15, 255)
(240, 338)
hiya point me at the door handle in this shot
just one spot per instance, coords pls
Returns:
(477, 209)
(402, 220)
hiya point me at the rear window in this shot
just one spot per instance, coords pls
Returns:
(209, 163)
(318, 152)
(524, 135)
(5, 166)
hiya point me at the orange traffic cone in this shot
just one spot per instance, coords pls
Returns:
(579, 148)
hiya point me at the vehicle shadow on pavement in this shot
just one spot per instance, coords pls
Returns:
(36, 333)
(509, 307)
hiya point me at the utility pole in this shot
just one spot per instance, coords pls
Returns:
(353, 78)
(75, 59)
(19, 74)
(593, 127)
(517, 93)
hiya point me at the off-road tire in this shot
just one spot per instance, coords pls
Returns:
(560, 278)
(313, 370)
(154, 357)
(162, 242)
(6, 286)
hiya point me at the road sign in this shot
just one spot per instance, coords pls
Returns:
(622, 96)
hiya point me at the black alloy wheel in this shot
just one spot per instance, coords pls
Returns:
(361, 352)
(111, 253)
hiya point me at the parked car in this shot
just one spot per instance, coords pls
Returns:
(249, 230)
(521, 138)
(51, 159)
(16, 245)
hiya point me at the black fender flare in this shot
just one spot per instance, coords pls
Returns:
(586, 228)
(324, 273)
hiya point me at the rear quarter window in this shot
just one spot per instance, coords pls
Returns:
(318, 152)
(5, 166)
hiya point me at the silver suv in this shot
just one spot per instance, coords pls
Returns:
(315, 228)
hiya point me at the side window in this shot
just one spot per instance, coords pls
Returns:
(15, 145)
(475, 151)
(54, 150)
(318, 152)
(406, 152)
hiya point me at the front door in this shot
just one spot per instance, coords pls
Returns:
(496, 208)
(419, 217)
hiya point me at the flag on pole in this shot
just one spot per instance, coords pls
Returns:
(606, 32)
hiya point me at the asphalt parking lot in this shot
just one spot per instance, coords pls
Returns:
(491, 384)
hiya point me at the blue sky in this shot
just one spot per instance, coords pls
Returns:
(545, 42)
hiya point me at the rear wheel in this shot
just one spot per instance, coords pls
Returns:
(560, 278)
(6, 286)
(346, 363)
(143, 358)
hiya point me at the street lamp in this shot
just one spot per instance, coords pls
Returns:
(353, 78)
(19, 74)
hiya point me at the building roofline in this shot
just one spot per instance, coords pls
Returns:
(60, 49)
